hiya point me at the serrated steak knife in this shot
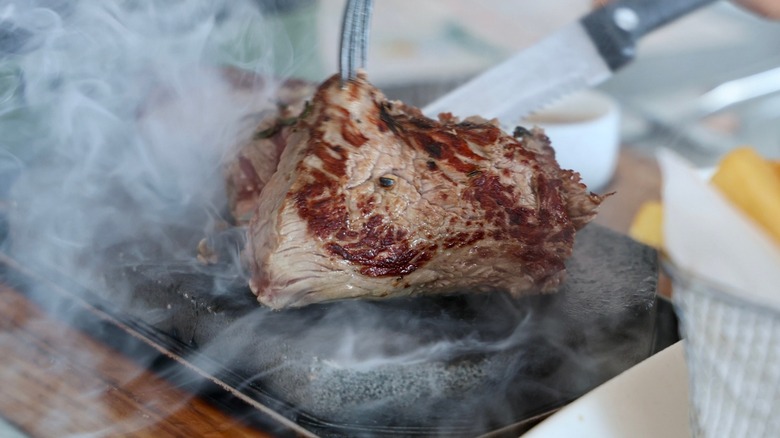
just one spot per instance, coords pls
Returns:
(582, 54)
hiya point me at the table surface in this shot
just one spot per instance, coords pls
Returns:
(57, 380)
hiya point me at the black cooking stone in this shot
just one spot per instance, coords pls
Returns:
(457, 365)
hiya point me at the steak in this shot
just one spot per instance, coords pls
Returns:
(256, 160)
(372, 199)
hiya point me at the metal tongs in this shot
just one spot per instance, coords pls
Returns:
(355, 30)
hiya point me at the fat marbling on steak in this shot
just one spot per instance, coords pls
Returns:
(372, 199)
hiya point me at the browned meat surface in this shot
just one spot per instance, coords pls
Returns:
(256, 160)
(372, 199)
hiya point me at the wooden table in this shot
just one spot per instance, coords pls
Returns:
(56, 380)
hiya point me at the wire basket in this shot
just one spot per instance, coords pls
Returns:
(732, 350)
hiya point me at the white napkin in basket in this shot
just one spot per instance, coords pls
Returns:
(708, 237)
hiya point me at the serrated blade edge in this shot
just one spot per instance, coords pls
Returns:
(564, 62)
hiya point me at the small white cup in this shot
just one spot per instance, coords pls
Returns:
(584, 130)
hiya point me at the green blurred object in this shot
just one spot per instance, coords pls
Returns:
(282, 43)
(9, 431)
(11, 85)
(19, 126)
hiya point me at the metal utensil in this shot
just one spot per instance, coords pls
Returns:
(355, 31)
(582, 54)
(753, 101)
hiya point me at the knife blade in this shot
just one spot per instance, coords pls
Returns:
(582, 54)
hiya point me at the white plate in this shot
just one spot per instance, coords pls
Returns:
(648, 400)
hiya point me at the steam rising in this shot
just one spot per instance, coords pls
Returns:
(115, 120)
(125, 119)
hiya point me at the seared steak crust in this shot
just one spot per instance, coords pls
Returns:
(373, 199)
(255, 162)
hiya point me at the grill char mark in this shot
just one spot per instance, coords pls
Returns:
(328, 219)
(448, 144)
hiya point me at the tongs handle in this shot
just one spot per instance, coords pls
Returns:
(355, 31)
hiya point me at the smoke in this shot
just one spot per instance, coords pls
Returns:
(124, 116)
(116, 119)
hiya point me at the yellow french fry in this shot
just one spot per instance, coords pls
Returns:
(753, 184)
(647, 226)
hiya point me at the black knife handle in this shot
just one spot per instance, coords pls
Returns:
(616, 27)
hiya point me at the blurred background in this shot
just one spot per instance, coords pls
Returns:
(702, 85)
(670, 95)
